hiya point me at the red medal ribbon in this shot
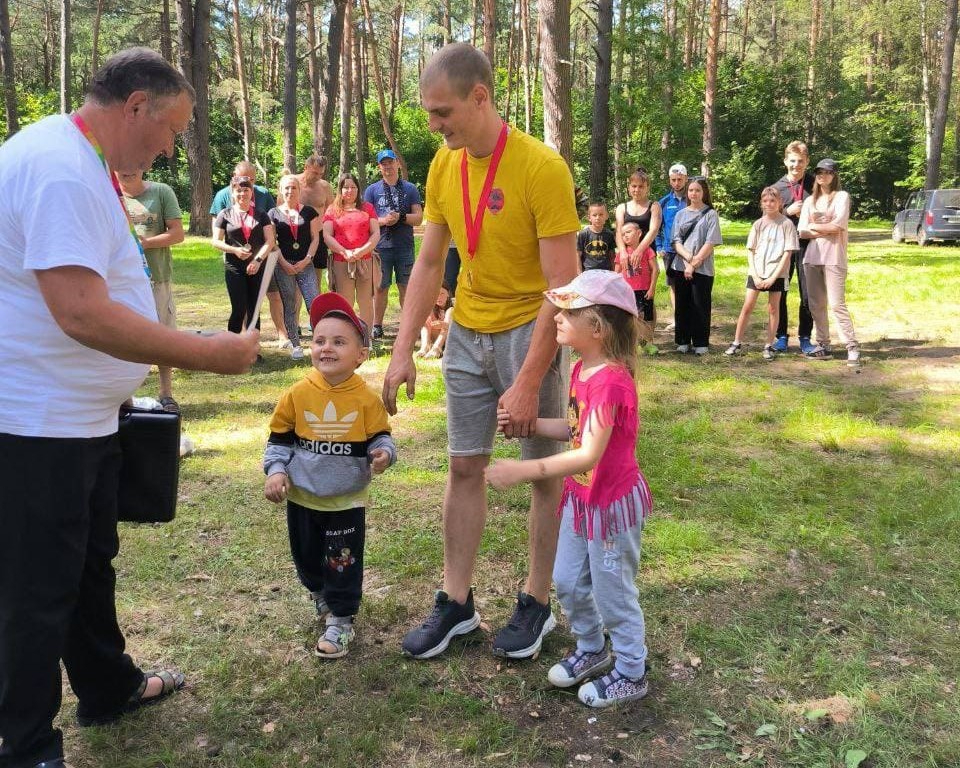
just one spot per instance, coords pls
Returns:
(244, 227)
(475, 221)
(294, 227)
(796, 190)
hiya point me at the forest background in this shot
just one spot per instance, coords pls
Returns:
(719, 84)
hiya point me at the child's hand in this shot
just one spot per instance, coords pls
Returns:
(276, 487)
(503, 420)
(504, 473)
(379, 460)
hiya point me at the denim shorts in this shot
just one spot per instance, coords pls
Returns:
(477, 369)
(397, 261)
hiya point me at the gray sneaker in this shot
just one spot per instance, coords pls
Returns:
(578, 666)
(524, 633)
(448, 619)
(613, 688)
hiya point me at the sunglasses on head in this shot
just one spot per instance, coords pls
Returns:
(242, 180)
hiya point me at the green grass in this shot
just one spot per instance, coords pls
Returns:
(804, 546)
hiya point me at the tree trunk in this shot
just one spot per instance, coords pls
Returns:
(331, 84)
(557, 123)
(166, 39)
(95, 39)
(490, 31)
(193, 21)
(926, 47)
(378, 84)
(943, 95)
(600, 131)
(447, 23)
(49, 43)
(670, 41)
(710, 88)
(313, 72)
(475, 25)
(744, 30)
(359, 100)
(241, 77)
(816, 11)
(290, 88)
(511, 49)
(66, 48)
(9, 83)
(346, 88)
(527, 65)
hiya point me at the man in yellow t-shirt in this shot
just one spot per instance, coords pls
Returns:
(518, 239)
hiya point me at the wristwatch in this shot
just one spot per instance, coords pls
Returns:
(258, 259)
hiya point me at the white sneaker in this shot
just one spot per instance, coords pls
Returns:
(284, 344)
(853, 356)
(682, 349)
(297, 353)
(733, 349)
(700, 351)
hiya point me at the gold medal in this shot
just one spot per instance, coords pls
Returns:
(470, 278)
(296, 246)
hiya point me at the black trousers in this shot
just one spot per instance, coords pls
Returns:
(242, 290)
(327, 550)
(693, 307)
(58, 536)
(805, 321)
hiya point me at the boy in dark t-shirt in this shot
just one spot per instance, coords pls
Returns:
(596, 244)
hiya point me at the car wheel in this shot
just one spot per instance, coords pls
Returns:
(922, 238)
(897, 235)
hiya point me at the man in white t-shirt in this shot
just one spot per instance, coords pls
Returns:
(80, 332)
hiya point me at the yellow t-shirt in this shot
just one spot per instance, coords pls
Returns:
(532, 197)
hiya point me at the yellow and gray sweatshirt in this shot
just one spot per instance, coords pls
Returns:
(322, 436)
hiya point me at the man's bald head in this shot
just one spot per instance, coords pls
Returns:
(462, 65)
(245, 168)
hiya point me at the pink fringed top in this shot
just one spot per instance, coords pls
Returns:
(608, 397)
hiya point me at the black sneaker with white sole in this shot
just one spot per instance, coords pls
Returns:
(448, 619)
(524, 633)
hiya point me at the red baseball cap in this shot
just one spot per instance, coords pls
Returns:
(331, 303)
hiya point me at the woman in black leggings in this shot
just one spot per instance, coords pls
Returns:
(246, 237)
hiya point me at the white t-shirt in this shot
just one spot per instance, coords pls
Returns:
(59, 208)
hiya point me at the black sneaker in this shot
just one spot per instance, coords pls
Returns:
(448, 620)
(524, 633)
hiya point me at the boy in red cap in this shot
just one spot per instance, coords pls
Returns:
(329, 433)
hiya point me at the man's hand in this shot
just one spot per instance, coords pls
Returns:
(232, 352)
(389, 219)
(400, 371)
(379, 460)
(276, 487)
(522, 403)
(504, 473)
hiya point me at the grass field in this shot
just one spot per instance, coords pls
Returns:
(799, 574)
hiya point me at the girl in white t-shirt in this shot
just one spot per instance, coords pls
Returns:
(771, 241)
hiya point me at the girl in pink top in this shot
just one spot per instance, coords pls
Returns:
(605, 496)
(351, 232)
(824, 219)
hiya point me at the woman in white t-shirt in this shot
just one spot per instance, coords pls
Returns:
(771, 241)
(824, 219)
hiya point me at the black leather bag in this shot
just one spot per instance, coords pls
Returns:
(150, 472)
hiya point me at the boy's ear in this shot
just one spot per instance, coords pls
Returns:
(364, 354)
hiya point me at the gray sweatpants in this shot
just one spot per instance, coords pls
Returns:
(597, 588)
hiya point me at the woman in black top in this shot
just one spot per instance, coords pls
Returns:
(298, 238)
(245, 235)
(643, 212)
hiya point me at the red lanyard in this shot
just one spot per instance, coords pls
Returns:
(475, 221)
(796, 190)
(294, 227)
(244, 227)
(82, 126)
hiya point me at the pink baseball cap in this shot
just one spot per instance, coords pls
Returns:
(331, 303)
(595, 286)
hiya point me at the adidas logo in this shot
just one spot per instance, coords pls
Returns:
(330, 427)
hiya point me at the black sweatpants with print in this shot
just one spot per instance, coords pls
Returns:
(327, 550)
